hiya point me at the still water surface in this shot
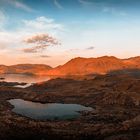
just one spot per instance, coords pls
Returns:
(49, 111)
(23, 78)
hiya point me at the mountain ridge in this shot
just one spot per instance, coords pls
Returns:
(35, 69)
(99, 65)
(76, 66)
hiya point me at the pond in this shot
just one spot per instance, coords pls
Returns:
(49, 111)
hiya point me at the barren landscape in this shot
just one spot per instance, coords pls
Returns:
(114, 97)
(70, 69)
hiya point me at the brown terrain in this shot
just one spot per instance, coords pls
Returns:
(115, 97)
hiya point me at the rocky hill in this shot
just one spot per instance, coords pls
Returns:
(100, 65)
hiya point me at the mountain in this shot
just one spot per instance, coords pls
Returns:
(35, 69)
(100, 65)
(133, 61)
(76, 66)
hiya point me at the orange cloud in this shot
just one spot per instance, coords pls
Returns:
(40, 42)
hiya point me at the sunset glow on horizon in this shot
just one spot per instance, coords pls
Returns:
(73, 28)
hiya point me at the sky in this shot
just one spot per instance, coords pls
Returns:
(55, 31)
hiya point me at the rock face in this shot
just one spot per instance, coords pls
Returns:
(36, 69)
(101, 65)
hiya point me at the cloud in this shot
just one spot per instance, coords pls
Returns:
(57, 4)
(103, 6)
(85, 2)
(12, 41)
(40, 42)
(20, 5)
(2, 17)
(43, 39)
(113, 10)
(2, 45)
(73, 50)
(30, 50)
(90, 48)
(43, 23)
(2, 20)
(45, 56)
(76, 50)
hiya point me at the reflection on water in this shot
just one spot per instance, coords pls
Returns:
(50, 111)
(23, 78)
(24, 86)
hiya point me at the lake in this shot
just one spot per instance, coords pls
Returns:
(48, 111)
(23, 78)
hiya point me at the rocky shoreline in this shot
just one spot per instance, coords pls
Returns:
(116, 99)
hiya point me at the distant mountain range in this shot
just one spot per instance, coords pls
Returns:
(76, 66)
(35, 69)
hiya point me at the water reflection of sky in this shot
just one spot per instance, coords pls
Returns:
(22, 78)
(49, 111)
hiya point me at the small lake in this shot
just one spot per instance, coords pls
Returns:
(49, 111)
(23, 78)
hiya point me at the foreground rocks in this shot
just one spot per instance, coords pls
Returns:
(116, 99)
